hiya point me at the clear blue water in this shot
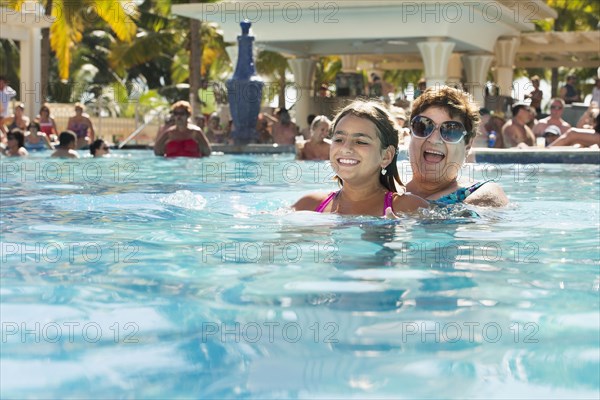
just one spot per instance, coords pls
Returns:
(139, 277)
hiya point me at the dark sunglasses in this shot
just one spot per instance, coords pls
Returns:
(179, 113)
(556, 107)
(450, 131)
(106, 148)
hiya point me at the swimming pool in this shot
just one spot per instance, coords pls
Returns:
(140, 277)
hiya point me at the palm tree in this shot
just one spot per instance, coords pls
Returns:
(273, 66)
(573, 15)
(70, 19)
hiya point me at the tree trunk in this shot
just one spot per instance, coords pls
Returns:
(196, 50)
(45, 56)
(554, 82)
(282, 87)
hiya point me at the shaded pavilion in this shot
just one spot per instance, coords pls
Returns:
(451, 41)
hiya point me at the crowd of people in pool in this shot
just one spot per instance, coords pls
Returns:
(361, 143)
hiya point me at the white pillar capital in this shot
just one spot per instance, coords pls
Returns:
(476, 70)
(436, 54)
(349, 62)
(304, 72)
(505, 51)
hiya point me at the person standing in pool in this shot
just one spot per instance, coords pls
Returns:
(317, 147)
(67, 141)
(82, 126)
(363, 154)
(183, 139)
(443, 125)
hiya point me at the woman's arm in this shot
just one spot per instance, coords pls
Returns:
(488, 195)
(46, 140)
(160, 141)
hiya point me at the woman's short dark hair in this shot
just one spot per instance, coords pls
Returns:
(19, 136)
(34, 123)
(456, 102)
(96, 144)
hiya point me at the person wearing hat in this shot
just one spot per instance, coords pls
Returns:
(515, 132)
(557, 106)
(551, 133)
(580, 137)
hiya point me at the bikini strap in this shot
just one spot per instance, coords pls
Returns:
(325, 202)
(388, 202)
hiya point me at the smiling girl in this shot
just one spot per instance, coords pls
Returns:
(363, 154)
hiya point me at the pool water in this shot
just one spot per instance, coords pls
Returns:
(140, 277)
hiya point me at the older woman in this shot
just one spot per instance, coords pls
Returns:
(443, 125)
(183, 139)
(82, 126)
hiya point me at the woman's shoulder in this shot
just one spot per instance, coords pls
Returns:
(487, 194)
(310, 202)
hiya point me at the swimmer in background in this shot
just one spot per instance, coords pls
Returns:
(15, 144)
(99, 148)
(67, 140)
(82, 126)
(317, 147)
(183, 139)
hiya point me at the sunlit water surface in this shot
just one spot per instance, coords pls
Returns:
(140, 277)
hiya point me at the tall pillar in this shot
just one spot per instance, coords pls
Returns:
(31, 72)
(436, 54)
(506, 49)
(476, 70)
(455, 67)
(349, 62)
(304, 72)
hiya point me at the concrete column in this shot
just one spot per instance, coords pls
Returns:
(436, 54)
(349, 62)
(476, 70)
(505, 50)
(31, 72)
(455, 67)
(304, 73)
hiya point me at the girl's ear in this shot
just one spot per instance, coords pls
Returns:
(388, 155)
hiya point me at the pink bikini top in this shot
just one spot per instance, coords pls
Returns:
(388, 202)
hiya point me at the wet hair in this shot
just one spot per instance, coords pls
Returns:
(34, 123)
(317, 120)
(518, 107)
(387, 130)
(18, 135)
(96, 144)
(310, 118)
(283, 115)
(455, 102)
(66, 138)
(182, 104)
